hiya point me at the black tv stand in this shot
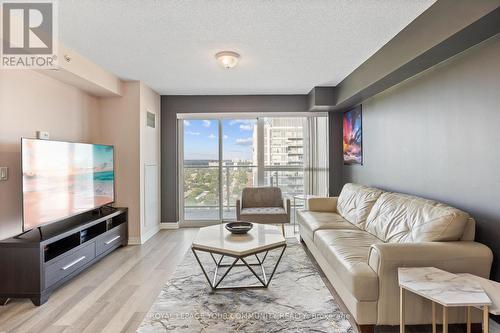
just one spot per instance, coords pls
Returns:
(25, 232)
(104, 210)
(34, 265)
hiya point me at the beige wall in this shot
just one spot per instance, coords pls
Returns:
(30, 101)
(150, 158)
(76, 70)
(119, 119)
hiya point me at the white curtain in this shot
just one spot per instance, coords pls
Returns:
(316, 169)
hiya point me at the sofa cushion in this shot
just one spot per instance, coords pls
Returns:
(263, 210)
(310, 222)
(347, 252)
(264, 215)
(403, 218)
(356, 201)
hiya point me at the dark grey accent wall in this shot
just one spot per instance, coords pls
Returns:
(172, 105)
(444, 30)
(322, 98)
(437, 135)
(336, 153)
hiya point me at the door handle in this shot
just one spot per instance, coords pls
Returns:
(73, 263)
(112, 240)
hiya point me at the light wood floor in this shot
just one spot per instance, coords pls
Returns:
(111, 296)
(115, 294)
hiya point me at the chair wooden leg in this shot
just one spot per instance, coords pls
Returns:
(283, 229)
(366, 328)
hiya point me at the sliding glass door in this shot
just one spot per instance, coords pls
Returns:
(221, 156)
(284, 154)
(201, 170)
(239, 154)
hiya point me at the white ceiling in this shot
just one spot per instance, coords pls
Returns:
(286, 46)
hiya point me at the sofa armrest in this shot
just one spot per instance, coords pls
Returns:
(454, 257)
(462, 256)
(328, 204)
(238, 209)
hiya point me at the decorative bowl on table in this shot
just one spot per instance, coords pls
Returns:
(238, 227)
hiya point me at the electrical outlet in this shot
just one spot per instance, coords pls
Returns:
(4, 173)
(42, 135)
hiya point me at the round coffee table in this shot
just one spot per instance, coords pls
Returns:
(216, 240)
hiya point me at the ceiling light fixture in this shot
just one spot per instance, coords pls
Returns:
(227, 59)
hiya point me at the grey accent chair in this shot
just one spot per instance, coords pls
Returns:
(263, 205)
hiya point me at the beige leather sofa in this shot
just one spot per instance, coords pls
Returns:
(361, 237)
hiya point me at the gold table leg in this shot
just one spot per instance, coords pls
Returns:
(468, 320)
(445, 319)
(486, 318)
(434, 317)
(401, 310)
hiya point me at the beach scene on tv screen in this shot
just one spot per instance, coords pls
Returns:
(62, 179)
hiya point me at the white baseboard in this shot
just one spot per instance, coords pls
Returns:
(150, 234)
(198, 224)
(143, 239)
(134, 241)
(169, 225)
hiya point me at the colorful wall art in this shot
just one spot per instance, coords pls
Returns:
(352, 128)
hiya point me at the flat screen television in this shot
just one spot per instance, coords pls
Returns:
(63, 179)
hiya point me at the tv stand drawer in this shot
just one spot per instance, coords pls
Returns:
(111, 239)
(67, 265)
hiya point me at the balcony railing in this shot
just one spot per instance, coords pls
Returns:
(201, 184)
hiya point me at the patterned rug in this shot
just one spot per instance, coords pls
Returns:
(297, 299)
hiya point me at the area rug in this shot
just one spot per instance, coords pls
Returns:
(297, 300)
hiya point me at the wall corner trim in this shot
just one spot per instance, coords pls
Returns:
(169, 225)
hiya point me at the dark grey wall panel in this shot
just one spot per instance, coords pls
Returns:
(437, 136)
(447, 28)
(169, 194)
(172, 105)
(336, 153)
(322, 98)
(237, 103)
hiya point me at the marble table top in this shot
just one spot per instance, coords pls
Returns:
(443, 287)
(492, 288)
(218, 239)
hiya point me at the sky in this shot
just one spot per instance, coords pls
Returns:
(201, 139)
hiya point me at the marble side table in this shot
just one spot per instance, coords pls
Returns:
(446, 289)
(492, 288)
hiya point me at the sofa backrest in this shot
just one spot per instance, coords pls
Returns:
(261, 197)
(400, 218)
(356, 201)
(469, 230)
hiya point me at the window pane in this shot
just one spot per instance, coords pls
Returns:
(284, 154)
(201, 170)
(283, 142)
(236, 178)
(201, 141)
(239, 141)
(290, 182)
(239, 153)
(201, 193)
